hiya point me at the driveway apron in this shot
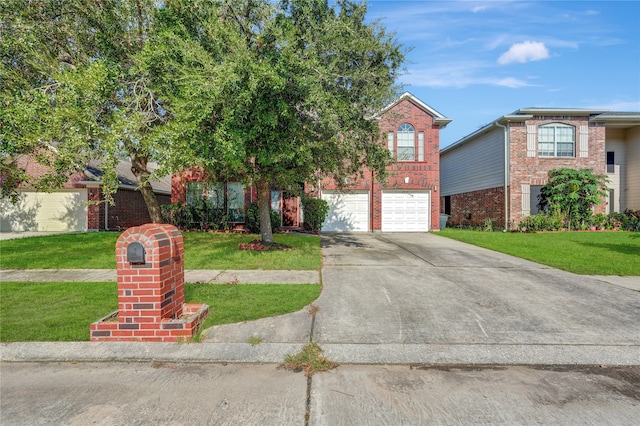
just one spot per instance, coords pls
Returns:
(415, 293)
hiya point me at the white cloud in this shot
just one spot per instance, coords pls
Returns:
(511, 82)
(524, 52)
(459, 75)
(479, 9)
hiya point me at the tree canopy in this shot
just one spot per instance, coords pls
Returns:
(72, 90)
(274, 93)
(278, 93)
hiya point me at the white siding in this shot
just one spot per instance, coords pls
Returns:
(632, 160)
(478, 164)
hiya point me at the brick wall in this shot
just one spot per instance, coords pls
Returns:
(129, 210)
(474, 208)
(534, 170)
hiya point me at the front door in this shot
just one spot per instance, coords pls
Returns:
(290, 210)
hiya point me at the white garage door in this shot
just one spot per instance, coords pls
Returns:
(348, 211)
(65, 210)
(405, 211)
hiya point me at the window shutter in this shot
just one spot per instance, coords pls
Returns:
(526, 200)
(531, 140)
(584, 141)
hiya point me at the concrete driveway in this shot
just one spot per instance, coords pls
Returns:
(424, 298)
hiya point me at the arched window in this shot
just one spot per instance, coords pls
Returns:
(556, 140)
(406, 143)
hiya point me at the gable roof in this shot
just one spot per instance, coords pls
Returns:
(439, 119)
(126, 178)
(609, 118)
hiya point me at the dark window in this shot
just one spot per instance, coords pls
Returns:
(534, 199)
(611, 161)
(447, 204)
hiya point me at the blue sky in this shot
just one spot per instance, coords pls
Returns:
(474, 61)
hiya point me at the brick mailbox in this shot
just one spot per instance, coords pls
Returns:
(150, 262)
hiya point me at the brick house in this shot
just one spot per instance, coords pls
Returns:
(68, 208)
(513, 154)
(408, 202)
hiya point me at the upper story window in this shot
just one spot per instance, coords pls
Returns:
(406, 142)
(406, 147)
(556, 140)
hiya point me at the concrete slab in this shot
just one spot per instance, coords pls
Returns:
(393, 395)
(632, 283)
(150, 393)
(191, 276)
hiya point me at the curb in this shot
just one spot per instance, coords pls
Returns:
(354, 354)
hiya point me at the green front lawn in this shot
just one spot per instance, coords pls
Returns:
(588, 253)
(203, 250)
(63, 311)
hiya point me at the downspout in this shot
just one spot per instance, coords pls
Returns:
(506, 174)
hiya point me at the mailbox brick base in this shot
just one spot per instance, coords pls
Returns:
(151, 290)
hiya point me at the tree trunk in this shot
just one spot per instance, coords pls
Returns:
(264, 210)
(140, 171)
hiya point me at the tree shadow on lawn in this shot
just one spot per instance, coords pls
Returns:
(624, 248)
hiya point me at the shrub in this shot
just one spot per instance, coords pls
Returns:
(252, 219)
(201, 215)
(629, 220)
(542, 222)
(315, 213)
(574, 193)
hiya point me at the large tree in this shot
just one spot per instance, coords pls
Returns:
(276, 93)
(72, 90)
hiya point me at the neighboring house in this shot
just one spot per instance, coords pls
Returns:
(408, 202)
(513, 154)
(68, 209)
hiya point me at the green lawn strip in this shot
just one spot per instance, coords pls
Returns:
(587, 253)
(203, 250)
(39, 312)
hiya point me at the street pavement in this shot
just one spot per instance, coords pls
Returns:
(425, 329)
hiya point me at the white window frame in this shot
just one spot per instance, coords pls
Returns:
(406, 142)
(552, 136)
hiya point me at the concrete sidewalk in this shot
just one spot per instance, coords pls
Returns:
(191, 276)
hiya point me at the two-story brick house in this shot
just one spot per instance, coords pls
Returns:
(409, 201)
(513, 154)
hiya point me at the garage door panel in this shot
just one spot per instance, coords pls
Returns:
(38, 211)
(348, 211)
(404, 211)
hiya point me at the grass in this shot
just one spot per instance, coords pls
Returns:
(587, 253)
(28, 314)
(310, 359)
(96, 250)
